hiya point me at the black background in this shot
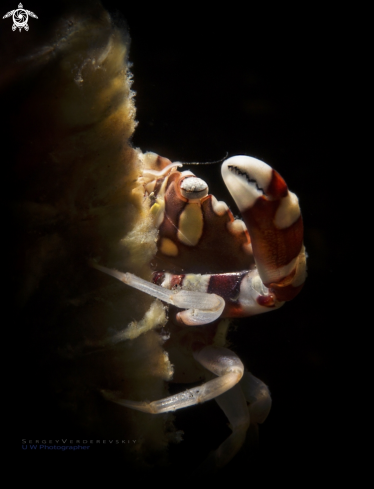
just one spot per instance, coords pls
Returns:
(266, 83)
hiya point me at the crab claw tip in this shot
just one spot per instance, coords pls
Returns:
(247, 179)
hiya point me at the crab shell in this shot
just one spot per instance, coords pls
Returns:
(198, 234)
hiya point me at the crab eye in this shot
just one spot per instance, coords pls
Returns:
(193, 188)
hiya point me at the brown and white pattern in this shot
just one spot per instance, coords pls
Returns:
(209, 266)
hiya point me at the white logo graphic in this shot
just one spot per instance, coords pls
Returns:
(20, 17)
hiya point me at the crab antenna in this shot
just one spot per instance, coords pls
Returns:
(204, 162)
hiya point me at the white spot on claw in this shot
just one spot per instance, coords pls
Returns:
(270, 275)
(288, 211)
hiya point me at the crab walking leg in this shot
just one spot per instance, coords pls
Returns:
(258, 395)
(243, 292)
(234, 405)
(201, 308)
(220, 361)
(272, 216)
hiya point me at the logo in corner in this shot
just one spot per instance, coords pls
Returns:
(20, 17)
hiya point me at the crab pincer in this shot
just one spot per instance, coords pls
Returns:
(273, 218)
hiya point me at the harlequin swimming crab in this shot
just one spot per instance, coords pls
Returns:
(210, 266)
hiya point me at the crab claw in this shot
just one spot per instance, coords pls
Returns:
(272, 216)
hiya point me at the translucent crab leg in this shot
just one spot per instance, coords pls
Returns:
(220, 361)
(201, 308)
(272, 216)
(234, 404)
(258, 395)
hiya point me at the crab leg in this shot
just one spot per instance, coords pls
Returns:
(220, 361)
(272, 216)
(201, 308)
(234, 404)
(243, 292)
(258, 395)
